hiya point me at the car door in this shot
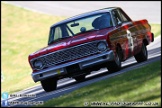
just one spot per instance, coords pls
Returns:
(131, 31)
(125, 28)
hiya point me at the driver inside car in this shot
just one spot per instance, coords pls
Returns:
(102, 22)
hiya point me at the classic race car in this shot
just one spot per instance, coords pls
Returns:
(87, 42)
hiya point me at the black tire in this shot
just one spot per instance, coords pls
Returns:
(115, 65)
(80, 78)
(142, 55)
(49, 84)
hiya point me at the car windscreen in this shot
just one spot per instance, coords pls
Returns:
(82, 25)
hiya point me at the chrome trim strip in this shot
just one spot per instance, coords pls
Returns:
(45, 56)
(83, 63)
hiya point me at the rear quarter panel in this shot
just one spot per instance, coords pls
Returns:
(140, 30)
(143, 32)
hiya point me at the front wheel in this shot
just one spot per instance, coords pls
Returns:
(115, 65)
(49, 84)
(142, 55)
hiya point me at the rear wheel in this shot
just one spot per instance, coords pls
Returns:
(115, 65)
(80, 78)
(49, 84)
(142, 55)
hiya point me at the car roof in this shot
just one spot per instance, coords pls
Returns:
(85, 15)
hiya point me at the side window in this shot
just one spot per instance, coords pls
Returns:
(116, 17)
(58, 33)
(124, 17)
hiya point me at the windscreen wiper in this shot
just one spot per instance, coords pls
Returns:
(62, 38)
(59, 39)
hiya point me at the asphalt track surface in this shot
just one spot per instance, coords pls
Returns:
(150, 10)
(68, 85)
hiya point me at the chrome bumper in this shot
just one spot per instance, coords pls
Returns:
(83, 64)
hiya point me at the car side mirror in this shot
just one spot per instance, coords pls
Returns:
(119, 23)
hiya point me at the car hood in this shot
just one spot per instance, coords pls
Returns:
(72, 41)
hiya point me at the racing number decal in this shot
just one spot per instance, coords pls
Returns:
(130, 40)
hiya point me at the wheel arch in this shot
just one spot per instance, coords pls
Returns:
(145, 41)
(121, 50)
(118, 46)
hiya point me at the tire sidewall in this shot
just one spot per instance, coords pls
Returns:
(117, 60)
(144, 51)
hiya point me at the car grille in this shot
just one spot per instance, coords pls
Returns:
(69, 54)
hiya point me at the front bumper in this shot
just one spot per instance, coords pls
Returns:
(84, 63)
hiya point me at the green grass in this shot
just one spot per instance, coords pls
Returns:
(139, 85)
(156, 29)
(23, 32)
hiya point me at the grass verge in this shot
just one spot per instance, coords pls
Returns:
(139, 85)
(156, 29)
(24, 32)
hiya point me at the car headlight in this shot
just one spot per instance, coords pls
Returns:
(38, 64)
(102, 46)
